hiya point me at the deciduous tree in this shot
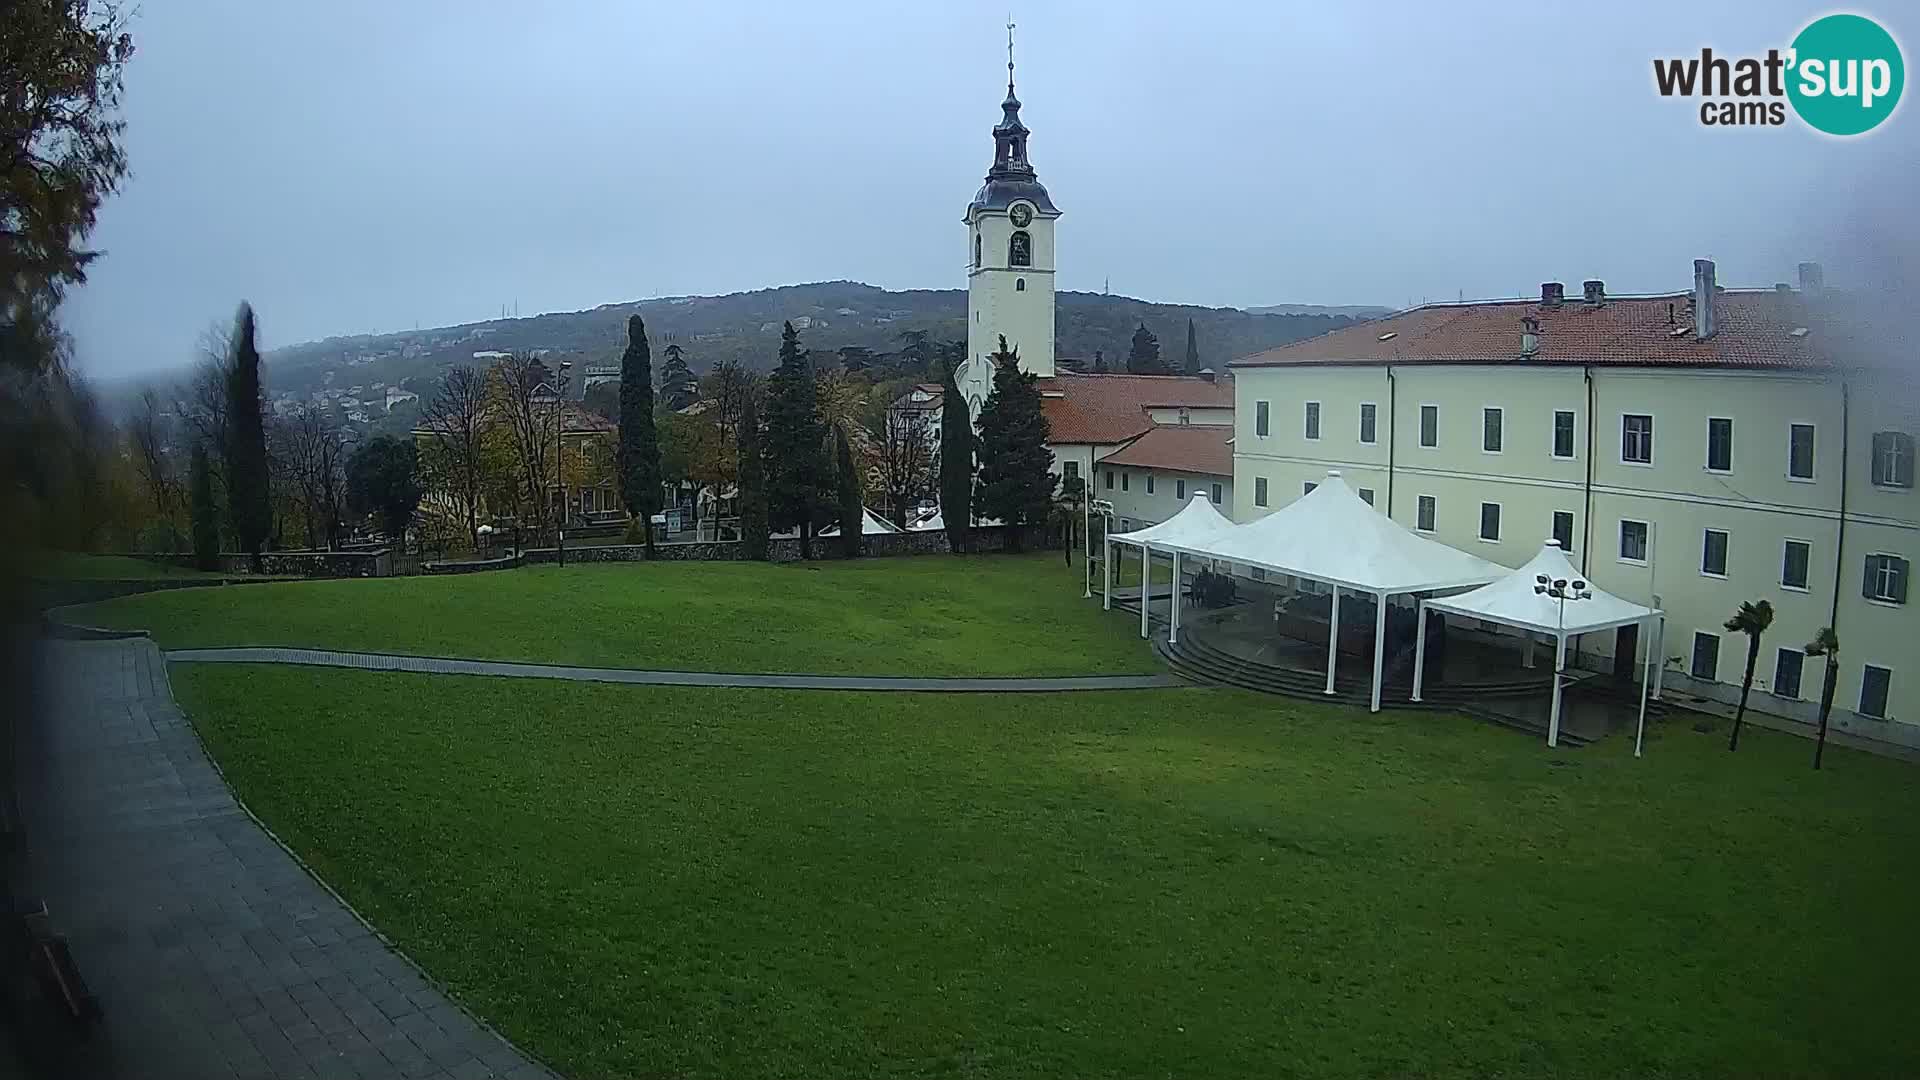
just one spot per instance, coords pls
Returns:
(205, 517)
(1015, 485)
(904, 439)
(455, 419)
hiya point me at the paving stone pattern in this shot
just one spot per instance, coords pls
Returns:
(215, 954)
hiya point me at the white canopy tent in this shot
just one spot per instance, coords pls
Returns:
(1334, 536)
(1195, 523)
(1548, 596)
(871, 524)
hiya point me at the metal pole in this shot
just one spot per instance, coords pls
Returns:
(1646, 679)
(1379, 645)
(1146, 579)
(1559, 661)
(1106, 574)
(1333, 639)
(1173, 615)
(1420, 650)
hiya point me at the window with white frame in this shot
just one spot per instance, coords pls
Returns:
(1149, 483)
(1800, 451)
(1307, 488)
(1636, 438)
(1563, 529)
(1429, 425)
(1633, 541)
(1259, 491)
(1875, 682)
(1366, 496)
(1713, 553)
(1795, 559)
(1787, 665)
(1893, 459)
(1563, 433)
(1369, 421)
(1490, 521)
(1216, 494)
(1493, 422)
(1125, 478)
(1886, 579)
(1425, 509)
(1179, 488)
(1313, 420)
(1719, 444)
(1260, 418)
(1706, 656)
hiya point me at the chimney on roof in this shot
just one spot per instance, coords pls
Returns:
(1705, 320)
(1551, 293)
(1529, 335)
(1594, 291)
(1812, 278)
(1207, 374)
(1782, 287)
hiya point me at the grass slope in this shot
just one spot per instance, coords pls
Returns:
(935, 615)
(76, 566)
(720, 883)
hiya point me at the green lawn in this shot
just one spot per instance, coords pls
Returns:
(933, 615)
(76, 566)
(1192, 883)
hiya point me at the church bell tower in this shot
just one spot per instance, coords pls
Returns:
(1010, 259)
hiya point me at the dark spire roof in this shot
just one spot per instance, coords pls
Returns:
(1011, 177)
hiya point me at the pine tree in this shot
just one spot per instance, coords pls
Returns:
(1143, 357)
(1192, 364)
(1099, 362)
(678, 387)
(244, 458)
(956, 464)
(639, 448)
(750, 494)
(1015, 485)
(797, 474)
(853, 504)
(205, 517)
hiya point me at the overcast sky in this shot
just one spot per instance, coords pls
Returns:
(370, 165)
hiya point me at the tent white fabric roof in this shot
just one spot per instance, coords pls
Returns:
(1194, 524)
(929, 523)
(870, 525)
(1330, 534)
(1512, 601)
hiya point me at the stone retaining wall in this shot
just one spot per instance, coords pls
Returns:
(306, 564)
(787, 549)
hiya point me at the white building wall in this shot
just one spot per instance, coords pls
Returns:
(1005, 299)
(1756, 503)
(1143, 497)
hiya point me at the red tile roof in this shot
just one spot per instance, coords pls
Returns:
(1109, 409)
(1755, 330)
(1183, 448)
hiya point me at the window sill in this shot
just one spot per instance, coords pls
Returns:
(1884, 486)
(1791, 479)
(1637, 464)
(1711, 574)
(1716, 472)
(1784, 587)
(1630, 562)
(1562, 457)
(1880, 601)
(1491, 453)
(1486, 540)
(1784, 697)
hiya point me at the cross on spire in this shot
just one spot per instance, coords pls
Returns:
(1009, 56)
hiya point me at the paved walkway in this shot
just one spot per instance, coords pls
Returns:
(213, 952)
(448, 666)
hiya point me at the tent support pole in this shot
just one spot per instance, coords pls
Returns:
(1106, 575)
(1379, 645)
(1173, 614)
(1660, 668)
(1333, 639)
(1559, 665)
(1420, 649)
(1646, 680)
(1146, 584)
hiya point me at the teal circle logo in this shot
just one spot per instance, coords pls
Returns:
(1846, 74)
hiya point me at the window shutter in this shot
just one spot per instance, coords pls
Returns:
(1900, 579)
(1903, 471)
(1866, 580)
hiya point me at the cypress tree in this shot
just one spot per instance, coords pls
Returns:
(1192, 364)
(853, 505)
(205, 517)
(245, 455)
(678, 387)
(797, 474)
(639, 448)
(1015, 485)
(956, 464)
(750, 494)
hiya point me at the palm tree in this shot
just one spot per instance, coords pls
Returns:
(1752, 619)
(1067, 509)
(1826, 643)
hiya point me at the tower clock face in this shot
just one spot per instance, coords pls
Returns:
(1022, 215)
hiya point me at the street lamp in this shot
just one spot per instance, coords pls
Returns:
(1105, 510)
(1562, 590)
(559, 466)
